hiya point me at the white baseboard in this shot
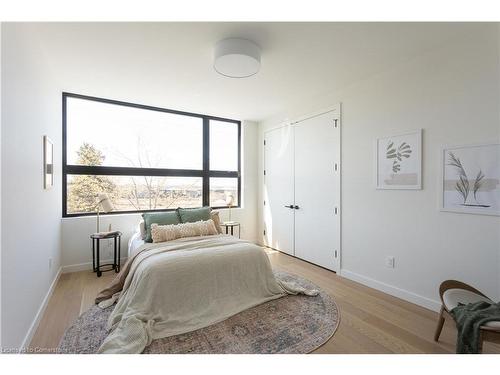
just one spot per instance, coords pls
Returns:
(87, 266)
(34, 325)
(392, 290)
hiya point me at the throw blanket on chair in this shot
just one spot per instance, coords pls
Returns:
(183, 285)
(469, 319)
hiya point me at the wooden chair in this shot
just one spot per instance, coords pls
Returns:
(452, 293)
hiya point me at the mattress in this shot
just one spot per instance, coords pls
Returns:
(134, 243)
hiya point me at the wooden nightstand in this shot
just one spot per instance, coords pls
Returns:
(96, 238)
(231, 225)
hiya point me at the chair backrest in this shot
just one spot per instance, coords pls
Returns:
(455, 284)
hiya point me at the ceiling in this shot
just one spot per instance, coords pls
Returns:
(170, 64)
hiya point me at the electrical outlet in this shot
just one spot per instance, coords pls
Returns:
(389, 262)
(50, 263)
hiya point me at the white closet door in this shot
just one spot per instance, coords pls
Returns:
(278, 189)
(317, 190)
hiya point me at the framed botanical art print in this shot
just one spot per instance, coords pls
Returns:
(471, 179)
(48, 163)
(399, 161)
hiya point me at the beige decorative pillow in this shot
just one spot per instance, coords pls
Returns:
(215, 217)
(163, 233)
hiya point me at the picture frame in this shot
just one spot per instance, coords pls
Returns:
(398, 160)
(48, 162)
(470, 179)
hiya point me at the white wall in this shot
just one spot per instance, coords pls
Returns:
(452, 92)
(31, 108)
(76, 246)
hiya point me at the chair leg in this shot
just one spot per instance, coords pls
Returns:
(440, 324)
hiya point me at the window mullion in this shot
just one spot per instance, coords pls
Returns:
(206, 162)
(130, 171)
(226, 174)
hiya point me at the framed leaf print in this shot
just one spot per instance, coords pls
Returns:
(399, 161)
(471, 179)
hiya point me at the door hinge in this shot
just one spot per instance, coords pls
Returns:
(264, 172)
(264, 142)
(335, 167)
(264, 203)
(336, 210)
(335, 253)
(335, 123)
(264, 232)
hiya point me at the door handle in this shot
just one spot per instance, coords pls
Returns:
(291, 206)
(296, 207)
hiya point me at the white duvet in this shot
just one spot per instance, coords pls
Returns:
(183, 285)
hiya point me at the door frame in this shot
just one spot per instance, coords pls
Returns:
(337, 108)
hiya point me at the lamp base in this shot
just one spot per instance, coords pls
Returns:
(98, 223)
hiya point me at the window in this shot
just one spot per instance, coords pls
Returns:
(146, 158)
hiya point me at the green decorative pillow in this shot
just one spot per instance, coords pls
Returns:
(160, 218)
(191, 215)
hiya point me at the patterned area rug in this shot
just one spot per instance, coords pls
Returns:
(292, 324)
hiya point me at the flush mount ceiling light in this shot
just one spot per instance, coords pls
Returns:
(236, 58)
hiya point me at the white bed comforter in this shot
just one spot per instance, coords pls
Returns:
(183, 285)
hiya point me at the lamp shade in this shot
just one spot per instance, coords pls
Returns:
(236, 58)
(105, 203)
(230, 200)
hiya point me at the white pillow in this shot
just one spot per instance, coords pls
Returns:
(142, 230)
(214, 215)
(163, 233)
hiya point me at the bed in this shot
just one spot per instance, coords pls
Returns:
(179, 286)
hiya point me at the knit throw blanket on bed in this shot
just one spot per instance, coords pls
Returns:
(469, 319)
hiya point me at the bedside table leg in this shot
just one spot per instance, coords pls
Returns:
(114, 254)
(99, 273)
(93, 255)
(119, 254)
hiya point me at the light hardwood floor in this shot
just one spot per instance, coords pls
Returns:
(371, 321)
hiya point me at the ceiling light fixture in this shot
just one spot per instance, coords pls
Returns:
(236, 58)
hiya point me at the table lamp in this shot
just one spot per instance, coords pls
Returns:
(105, 204)
(230, 203)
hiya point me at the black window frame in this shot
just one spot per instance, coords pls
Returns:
(205, 173)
